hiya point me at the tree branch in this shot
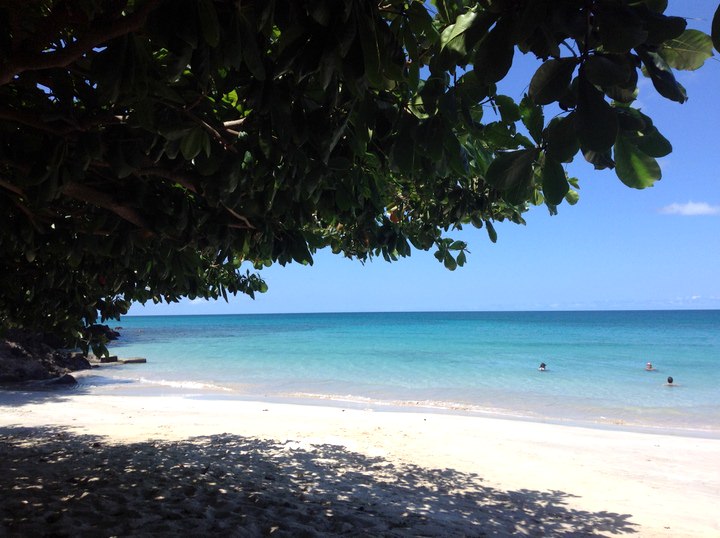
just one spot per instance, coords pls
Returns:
(100, 199)
(183, 180)
(30, 216)
(12, 188)
(28, 120)
(210, 129)
(101, 33)
(33, 120)
(238, 216)
(234, 123)
(187, 182)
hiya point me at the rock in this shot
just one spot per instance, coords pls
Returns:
(103, 330)
(14, 369)
(73, 361)
(27, 356)
(63, 380)
(32, 356)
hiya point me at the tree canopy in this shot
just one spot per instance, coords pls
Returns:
(156, 149)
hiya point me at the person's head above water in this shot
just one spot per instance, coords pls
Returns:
(670, 380)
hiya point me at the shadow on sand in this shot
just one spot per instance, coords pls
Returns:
(56, 483)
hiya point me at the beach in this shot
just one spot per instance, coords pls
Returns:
(92, 464)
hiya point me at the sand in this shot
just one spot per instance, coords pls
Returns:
(74, 464)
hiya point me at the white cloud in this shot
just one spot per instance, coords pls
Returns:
(691, 209)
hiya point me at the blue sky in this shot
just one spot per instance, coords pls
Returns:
(618, 248)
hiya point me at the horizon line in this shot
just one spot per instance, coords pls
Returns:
(300, 313)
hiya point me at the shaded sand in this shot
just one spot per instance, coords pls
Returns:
(89, 465)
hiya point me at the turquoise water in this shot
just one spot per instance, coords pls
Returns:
(477, 362)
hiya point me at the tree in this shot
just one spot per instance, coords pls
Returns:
(151, 150)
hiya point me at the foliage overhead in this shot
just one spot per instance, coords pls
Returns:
(154, 149)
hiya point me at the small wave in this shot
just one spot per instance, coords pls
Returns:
(99, 380)
(436, 405)
(194, 385)
(332, 397)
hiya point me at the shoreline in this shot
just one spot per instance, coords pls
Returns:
(652, 484)
(212, 391)
(381, 406)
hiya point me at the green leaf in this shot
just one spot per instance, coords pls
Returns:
(512, 173)
(431, 91)
(715, 32)
(376, 52)
(192, 143)
(595, 120)
(403, 154)
(455, 155)
(494, 55)
(454, 36)
(449, 262)
(662, 28)
(554, 182)
(209, 22)
(661, 76)
(445, 12)
(687, 52)
(471, 89)
(532, 118)
(492, 234)
(251, 51)
(500, 135)
(622, 95)
(619, 28)
(551, 80)
(607, 70)
(419, 20)
(299, 251)
(634, 168)
(509, 110)
(561, 140)
(658, 6)
(417, 107)
(320, 12)
(652, 143)
(599, 159)
(429, 135)
(631, 119)
(108, 68)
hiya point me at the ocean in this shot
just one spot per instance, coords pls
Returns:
(464, 362)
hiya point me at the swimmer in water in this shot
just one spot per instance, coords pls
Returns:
(670, 382)
(542, 367)
(649, 367)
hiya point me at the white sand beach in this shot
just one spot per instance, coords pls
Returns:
(87, 465)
